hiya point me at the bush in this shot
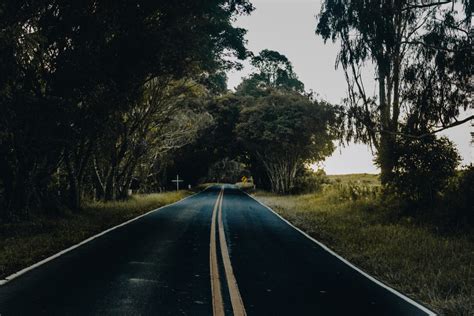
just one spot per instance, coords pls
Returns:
(456, 209)
(309, 181)
(226, 170)
(423, 169)
(354, 191)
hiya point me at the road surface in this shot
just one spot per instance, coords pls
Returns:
(216, 253)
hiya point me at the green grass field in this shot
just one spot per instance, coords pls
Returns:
(23, 244)
(358, 178)
(349, 216)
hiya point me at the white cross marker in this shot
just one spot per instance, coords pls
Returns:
(177, 182)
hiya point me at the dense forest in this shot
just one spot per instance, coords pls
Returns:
(94, 94)
(100, 98)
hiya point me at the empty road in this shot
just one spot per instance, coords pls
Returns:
(218, 252)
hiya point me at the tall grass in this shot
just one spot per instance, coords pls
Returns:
(354, 221)
(23, 244)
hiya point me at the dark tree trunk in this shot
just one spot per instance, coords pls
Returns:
(385, 152)
(74, 201)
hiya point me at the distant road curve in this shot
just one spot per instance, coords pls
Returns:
(219, 252)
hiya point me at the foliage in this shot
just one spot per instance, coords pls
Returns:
(227, 171)
(27, 242)
(169, 116)
(354, 191)
(274, 71)
(455, 209)
(359, 178)
(75, 73)
(419, 53)
(423, 169)
(393, 251)
(214, 143)
(309, 181)
(283, 131)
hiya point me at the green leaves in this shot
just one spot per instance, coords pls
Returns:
(281, 132)
(72, 69)
(274, 70)
(285, 124)
(419, 52)
(423, 168)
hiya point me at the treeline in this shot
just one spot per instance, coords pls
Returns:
(95, 95)
(269, 129)
(422, 57)
(98, 98)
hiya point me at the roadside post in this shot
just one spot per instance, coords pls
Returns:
(177, 181)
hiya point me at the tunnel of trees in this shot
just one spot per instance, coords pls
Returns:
(101, 97)
(96, 94)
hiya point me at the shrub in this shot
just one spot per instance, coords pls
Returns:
(226, 170)
(456, 208)
(423, 169)
(309, 181)
(356, 191)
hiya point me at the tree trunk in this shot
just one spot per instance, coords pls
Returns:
(18, 196)
(385, 151)
(75, 201)
(110, 190)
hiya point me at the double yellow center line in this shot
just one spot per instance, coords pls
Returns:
(216, 288)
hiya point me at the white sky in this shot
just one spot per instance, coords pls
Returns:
(287, 26)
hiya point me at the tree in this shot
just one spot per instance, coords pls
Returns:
(165, 119)
(69, 69)
(283, 131)
(420, 53)
(423, 169)
(216, 142)
(274, 71)
(227, 170)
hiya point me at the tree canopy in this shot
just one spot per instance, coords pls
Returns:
(283, 132)
(74, 73)
(274, 71)
(420, 53)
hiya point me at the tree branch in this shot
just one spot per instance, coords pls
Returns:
(426, 5)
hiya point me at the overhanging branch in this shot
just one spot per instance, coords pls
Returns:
(425, 5)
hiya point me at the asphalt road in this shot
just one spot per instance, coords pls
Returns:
(218, 252)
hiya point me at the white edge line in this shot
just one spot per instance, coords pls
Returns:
(25, 270)
(409, 300)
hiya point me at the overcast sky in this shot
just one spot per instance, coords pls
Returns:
(287, 26)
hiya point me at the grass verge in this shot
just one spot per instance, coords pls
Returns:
(435, 269)
(23, 244)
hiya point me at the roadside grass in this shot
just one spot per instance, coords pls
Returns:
(25, 243)
(246, 186)
(203, 186)
(359, 178)
(435, 269)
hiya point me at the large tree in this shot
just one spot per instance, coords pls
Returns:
(422, 54)
(168, 116)
(283, 131)
(216, 142)
(68, 68)
(272, 71)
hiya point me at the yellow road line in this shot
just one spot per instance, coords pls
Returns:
(217, 302)
(235, 298)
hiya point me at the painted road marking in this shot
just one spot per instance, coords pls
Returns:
(238, 308)
(368, 276)
(235, 298)
(217, 302)
(40, 263)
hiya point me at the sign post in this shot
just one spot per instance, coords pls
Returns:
(177, 182)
